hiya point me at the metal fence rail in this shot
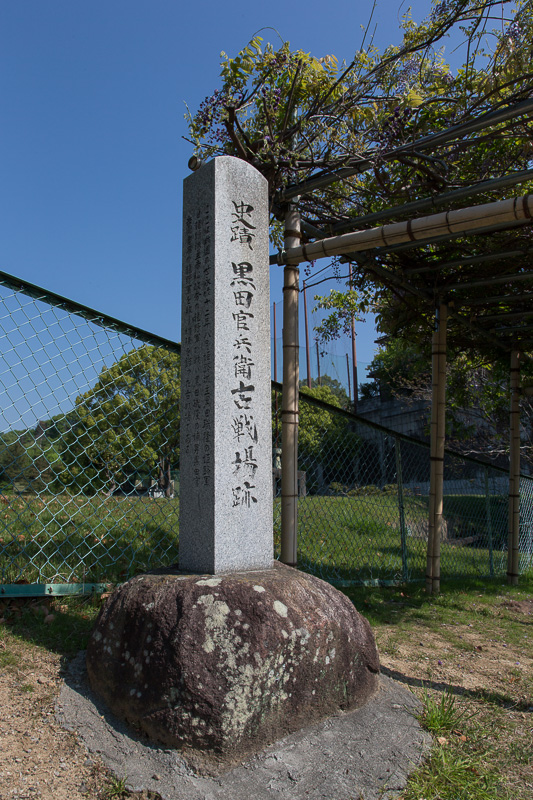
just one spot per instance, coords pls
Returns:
(89, 467)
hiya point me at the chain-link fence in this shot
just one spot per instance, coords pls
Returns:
(364, 504)
(89, 449)
(89, 467)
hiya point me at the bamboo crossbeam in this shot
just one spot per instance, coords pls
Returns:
(500, 298)
(515, 329)
(511, 315)
(426, 203)
(446, 237)
(501, 212)
(425, 143)
(484, 258)
(508, 278)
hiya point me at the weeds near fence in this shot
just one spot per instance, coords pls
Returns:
(78, 539)
(65, 539)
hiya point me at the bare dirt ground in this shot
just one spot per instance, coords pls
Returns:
(491, 676)
(487, 666)
(482, 663)
(38, 759)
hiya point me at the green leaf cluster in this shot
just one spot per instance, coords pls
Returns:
(295, 116)
(127, 427)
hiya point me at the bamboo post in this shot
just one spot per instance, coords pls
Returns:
(275, 346)
(289, 403)
(441, 439)
(513, 548)
(438, 435)
(432, 451)
(401, 508)
(489, 522)
(276, 400)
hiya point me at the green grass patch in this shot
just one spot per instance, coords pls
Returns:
(350, 538)
(359, 538)
(8, 659)
(64, 628)
(448, 775)
(63, 539)
(440, 714)
(459, 603)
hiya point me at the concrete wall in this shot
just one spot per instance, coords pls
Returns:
(410, 418)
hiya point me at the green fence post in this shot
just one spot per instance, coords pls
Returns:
(489, 522)
(403, 531)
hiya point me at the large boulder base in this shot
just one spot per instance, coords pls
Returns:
(228, 663)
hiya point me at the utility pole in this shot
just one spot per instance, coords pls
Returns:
(307, 354)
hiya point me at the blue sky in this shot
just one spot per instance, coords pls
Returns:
(92, 97)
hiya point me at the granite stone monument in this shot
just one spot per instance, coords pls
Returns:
(226, 439)
(227, 650)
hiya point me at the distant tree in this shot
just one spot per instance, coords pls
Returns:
(127, 425)
(14, 459)
(336, 387)
(24, 461)
(325, 437)
(399, 368)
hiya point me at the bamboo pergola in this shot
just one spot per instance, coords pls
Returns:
(468, 268)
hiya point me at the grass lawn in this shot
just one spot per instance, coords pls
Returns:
(64, 539)
(359, 538)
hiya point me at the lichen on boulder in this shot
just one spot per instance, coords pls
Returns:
(228, 663)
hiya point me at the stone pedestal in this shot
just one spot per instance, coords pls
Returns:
(228, 663)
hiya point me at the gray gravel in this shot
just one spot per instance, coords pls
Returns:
(362, 755)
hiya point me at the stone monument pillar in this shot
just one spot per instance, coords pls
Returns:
(226, 431)
(228, 651)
